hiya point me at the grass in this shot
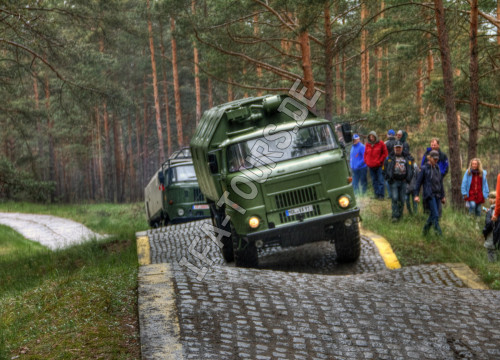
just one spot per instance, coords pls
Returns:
(80, 302)
(462, 239)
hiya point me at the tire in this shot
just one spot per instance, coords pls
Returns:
(245, 253)
(348, 243)
(227, 242)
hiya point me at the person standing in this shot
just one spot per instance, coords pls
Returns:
(443, 159)
(358, 165)
(431, 180)
(411, 204)
(475, 187)
(497, 202)
(398, 171)
(403, 137)
(375, 154)
(489, 230)
(391, 140)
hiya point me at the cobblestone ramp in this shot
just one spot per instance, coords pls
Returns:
(259, 314)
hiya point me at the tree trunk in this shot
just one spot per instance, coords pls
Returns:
(328, 64)
(363, 60)
(344, 81)
(230, 93)
(430, 61)
(256, 34)
(387, 77)
(449, 99)
(99, 153)
(145, 135)
(210, 94)
(498, 18)
(165, 92)
(155, 90)
(132, 183)
(39, 131)
(139, 157)
(177, 91)
(110, 186)
(474, 83)
(420, 90)
(50, 126)
(305, 48)
(196, 73)
(338, 86)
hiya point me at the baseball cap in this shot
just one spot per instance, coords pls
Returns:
(391, 132)
(398, 144)
(434, 154)
(355, 136)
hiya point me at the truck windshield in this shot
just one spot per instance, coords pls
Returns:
(182, 173)
(274, 148)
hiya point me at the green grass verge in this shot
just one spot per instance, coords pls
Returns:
(76, 303)
(462, 239)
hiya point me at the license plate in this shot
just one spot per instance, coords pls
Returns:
(201, 207)
(299, 210)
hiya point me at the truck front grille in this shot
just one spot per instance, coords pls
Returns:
(286, 219)
(296, 197)
(198, 195)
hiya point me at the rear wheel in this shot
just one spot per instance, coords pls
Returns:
(245, 252)
(347, 242)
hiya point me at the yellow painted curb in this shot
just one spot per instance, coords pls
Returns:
(384, 248)
(143, 250)
(468, 277)
(158, 321)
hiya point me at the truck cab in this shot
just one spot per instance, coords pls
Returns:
(272, 181)
(173, 195)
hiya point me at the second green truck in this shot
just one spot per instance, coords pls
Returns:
(275, 174)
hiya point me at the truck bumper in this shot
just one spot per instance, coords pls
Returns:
(321, 228)
(184, 219)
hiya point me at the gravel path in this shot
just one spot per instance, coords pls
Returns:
(51, 231)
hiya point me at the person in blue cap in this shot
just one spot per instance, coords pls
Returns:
(391, 140)
(358, 166)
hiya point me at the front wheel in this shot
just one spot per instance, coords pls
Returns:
(347, 242)
(245, 252)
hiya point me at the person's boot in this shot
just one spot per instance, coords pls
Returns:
(425, 231)
(492, 255)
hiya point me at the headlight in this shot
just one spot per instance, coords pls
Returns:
(344, 201)
(254, 222)
(180, 212)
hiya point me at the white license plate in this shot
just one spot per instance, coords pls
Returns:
(299, 210)
(201, 207)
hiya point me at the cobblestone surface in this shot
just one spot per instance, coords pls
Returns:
(419, 312)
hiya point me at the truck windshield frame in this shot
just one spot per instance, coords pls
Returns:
(273, 148)
(182, 173)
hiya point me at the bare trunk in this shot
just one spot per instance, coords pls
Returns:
(338, 86)
(99, 153)
(132, 183)
(165, 92)
(344, 80)
(109, 180)
(449, 99)
(145, 135)
(230, 94)
(50, 126)
(196, 73)
(363, 60)
(387, 77)
(420, 89)
(430, 61)
(328, 64)
(210, 94)
(378, 65)
(256, 34)
(177, 91)
(474, 83)
(139, 157)
(39, 131)
(305, 48)
(155, 90)
(498, 18)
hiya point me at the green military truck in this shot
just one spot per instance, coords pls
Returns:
(173, 195)
(275, 174)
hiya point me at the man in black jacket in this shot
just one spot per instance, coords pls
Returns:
(398, 171)
(432, 181)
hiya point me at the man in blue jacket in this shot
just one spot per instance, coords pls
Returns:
(358, 165)
(431, 180)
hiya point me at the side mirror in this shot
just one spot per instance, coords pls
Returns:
(347, 133)
(212, 164)
(161, 177)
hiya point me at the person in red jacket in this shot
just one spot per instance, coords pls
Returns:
(375, 154)
(497, 203)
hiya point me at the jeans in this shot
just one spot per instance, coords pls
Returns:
(359, 178)
(411, 204)
(398, 195)
(474, 209)
(377, 181)
(433, 219)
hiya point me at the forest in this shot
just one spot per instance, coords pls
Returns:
(97, 93)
